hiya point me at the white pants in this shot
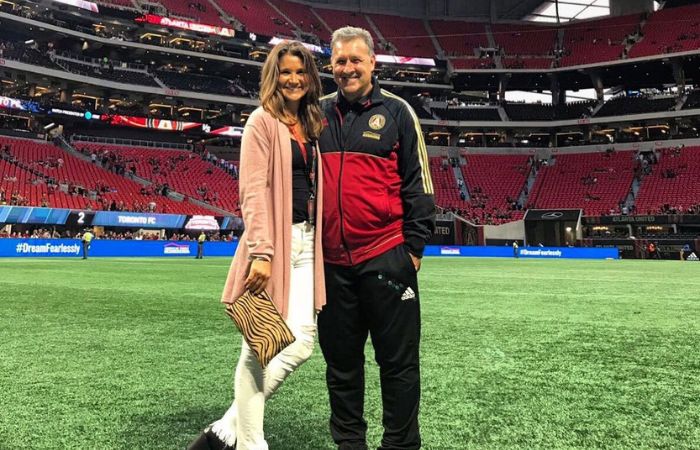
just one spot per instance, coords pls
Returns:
(243, 422)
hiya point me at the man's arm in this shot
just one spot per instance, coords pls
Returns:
(417, 186)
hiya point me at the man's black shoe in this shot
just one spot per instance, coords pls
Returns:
(352, 446)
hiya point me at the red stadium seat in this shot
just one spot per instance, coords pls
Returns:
(597, 41)
(564, 184)
(184, 172)
(409, 36)
(669, 31)
(43, 160)
(659, 191)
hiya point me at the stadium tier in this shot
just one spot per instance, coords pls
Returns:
(574, 110)
(336, 19)
(524, 40)
(29, 55)
(673, 186)
(25, 187)
(473, 63)
(200, 83)
(598, 183)
(529, 111)
(669, 31)
(304, 18)
(198, 10)
(693, 100)
(257, 16)
(420, 108)
(236, 82)
(635, 105)
(408, 36)
(70, 182)
(459, 38)
(107, 72)
(495, 183)
(597, 41)
(467, 113)
(522, 46)
(527, 63)
(445, 184)
(183, 171)
(517, 111)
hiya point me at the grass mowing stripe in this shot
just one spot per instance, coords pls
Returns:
(516, 354)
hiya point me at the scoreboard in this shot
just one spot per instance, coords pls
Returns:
(78, 218)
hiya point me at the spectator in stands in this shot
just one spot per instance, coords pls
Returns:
(282, 253)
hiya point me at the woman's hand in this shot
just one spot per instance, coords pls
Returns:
(260, 271)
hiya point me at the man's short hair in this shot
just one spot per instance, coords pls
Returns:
(349, 33)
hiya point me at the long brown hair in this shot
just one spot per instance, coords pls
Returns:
(272, 99)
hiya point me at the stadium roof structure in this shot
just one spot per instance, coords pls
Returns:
(478, 9)
(567, 10)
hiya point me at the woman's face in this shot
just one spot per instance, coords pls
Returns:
(292, 81)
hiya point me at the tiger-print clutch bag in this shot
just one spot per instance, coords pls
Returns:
(261, 325)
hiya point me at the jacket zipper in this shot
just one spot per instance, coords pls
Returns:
(340, 186)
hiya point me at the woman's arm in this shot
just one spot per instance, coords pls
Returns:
(254, 188)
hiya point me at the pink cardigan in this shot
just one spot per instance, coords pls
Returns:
(266, 205)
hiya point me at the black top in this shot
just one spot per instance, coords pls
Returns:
(301, 184)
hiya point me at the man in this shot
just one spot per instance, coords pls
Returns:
(379, 212)
(200, 245)
(86, 240)
(651, 250)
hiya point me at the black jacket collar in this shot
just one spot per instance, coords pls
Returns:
(374, 97)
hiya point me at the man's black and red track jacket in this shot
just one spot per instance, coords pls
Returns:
(377, 189)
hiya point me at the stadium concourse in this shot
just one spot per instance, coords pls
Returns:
(569, 134)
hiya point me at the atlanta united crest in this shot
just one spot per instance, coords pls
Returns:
(377, 121)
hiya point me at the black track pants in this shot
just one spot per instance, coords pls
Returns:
(378, 297)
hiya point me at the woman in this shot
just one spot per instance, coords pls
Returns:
(280, 250)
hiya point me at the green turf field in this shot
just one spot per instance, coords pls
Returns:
(137, 354)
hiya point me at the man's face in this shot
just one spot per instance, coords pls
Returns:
(352, 68)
